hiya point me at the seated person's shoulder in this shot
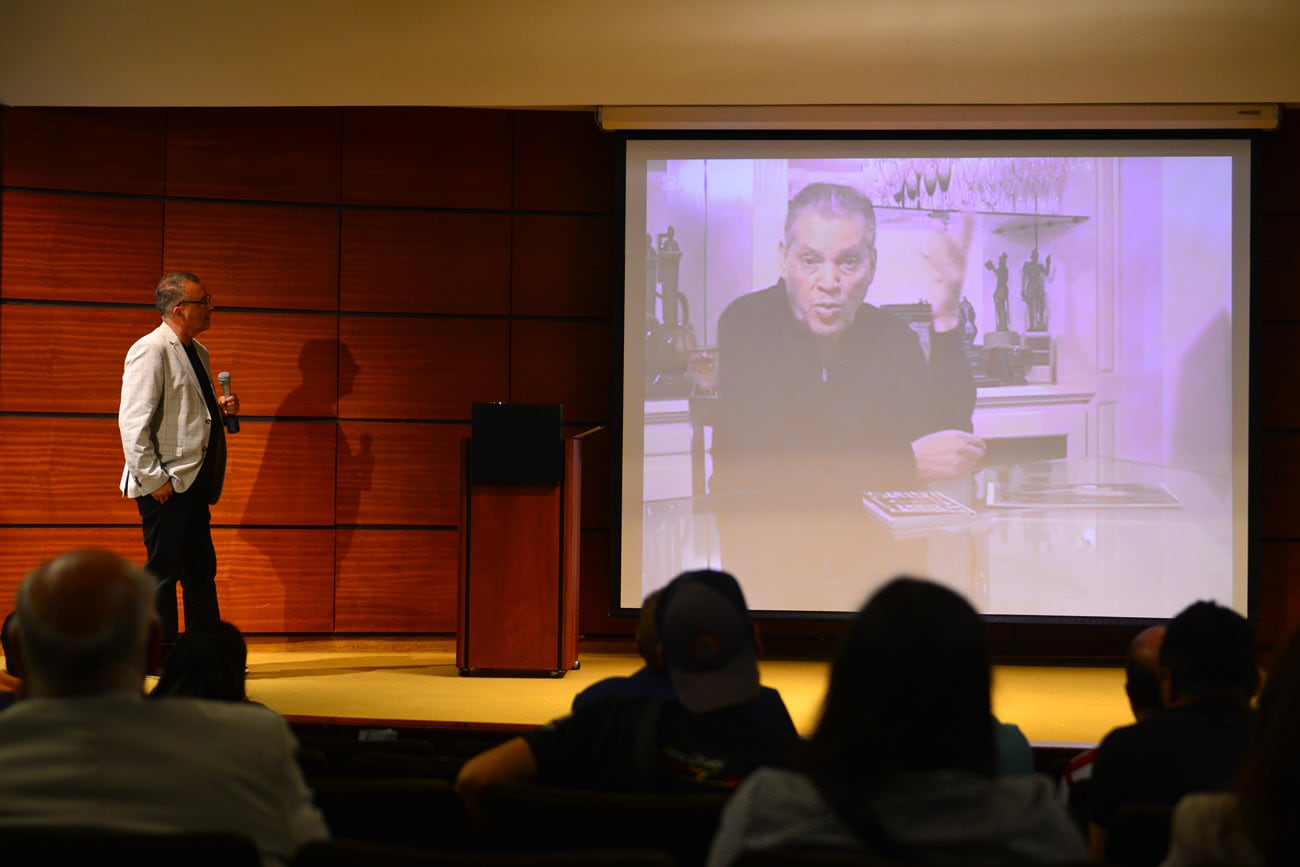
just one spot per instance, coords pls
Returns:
(249, 715)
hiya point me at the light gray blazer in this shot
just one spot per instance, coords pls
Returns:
(163, 418)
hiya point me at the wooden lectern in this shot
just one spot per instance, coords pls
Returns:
(519, 543)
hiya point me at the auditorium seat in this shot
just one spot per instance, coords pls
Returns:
(813, 857)
(314, 762)
(51, 847)
(1138, 835)
(545, 818)
(339, 751)
(422, 813)
(353, 853)
(380, 763)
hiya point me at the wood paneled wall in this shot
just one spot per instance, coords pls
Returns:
(377, 270)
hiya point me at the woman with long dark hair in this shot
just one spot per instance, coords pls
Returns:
(1258, 821)
(902, 763)
(209, 661)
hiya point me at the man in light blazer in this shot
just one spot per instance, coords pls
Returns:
(171, 420)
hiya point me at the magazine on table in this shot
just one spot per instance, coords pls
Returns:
(1080, 495)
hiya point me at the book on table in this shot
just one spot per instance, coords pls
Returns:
(915, 510)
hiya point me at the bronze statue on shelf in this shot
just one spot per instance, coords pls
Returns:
(1001, 294)
(1033, 290)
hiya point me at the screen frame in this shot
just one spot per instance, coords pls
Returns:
(1026, 626)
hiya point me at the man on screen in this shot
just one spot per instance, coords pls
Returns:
(818, 388)
(821, 395)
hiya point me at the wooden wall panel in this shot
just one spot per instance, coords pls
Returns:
(1279, 368)
(256, 154)
(565, 266)
(423, 368)
(58, 470)
(285, 365)
(276, 581)
(24, 548)
(84, 248)
(427, 157)
(279, 473)
(66, 359)
(593, 597)
(256, 255)
(1276, 155)
(564, 162)
(395, 473)
(564, 362)
(1277, 281)
(396, 581)
(1277, 478)
(412, 262)
(1277, 591)
(98, 150)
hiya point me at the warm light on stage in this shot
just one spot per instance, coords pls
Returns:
(412, 682)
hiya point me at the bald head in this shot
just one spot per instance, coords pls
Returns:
(86, 625)
(1142, 667)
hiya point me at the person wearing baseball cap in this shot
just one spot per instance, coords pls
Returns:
(707, 736)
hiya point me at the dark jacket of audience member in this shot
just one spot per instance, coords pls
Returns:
(208, 661)
(707, 738)
(902, 763)
(652, 680)
(1257, 822)
(1197, 743)
(84, 748)
(1142, 686)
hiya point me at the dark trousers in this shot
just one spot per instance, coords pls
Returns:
(178, 544)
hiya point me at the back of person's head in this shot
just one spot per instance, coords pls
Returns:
(5, 632)
(707, 640)
(208, 661)
(647, 637)
(86, 625)
(1268, 799)
(1208, 651)
(909, 691)
(1142, 672)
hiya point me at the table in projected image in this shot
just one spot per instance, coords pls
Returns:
(1060, 555)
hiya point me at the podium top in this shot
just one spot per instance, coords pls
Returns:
(516, 444)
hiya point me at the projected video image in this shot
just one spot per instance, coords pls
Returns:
(847, 360)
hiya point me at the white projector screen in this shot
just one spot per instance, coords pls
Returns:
(1079, 307)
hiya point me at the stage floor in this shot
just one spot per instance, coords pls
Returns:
(403, 682)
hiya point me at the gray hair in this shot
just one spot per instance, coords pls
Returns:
(831, 200)
(170, 291)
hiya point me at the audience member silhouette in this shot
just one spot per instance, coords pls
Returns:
(652, 680)
(707, 738)
(9, 681)
(209, 661)
(1198, 741)
(902, 763)
(85, 749)
(1142, 686)
(1257, 822)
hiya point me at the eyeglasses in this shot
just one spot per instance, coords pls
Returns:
(206, 301)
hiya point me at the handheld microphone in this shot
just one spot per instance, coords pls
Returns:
(232, 421)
